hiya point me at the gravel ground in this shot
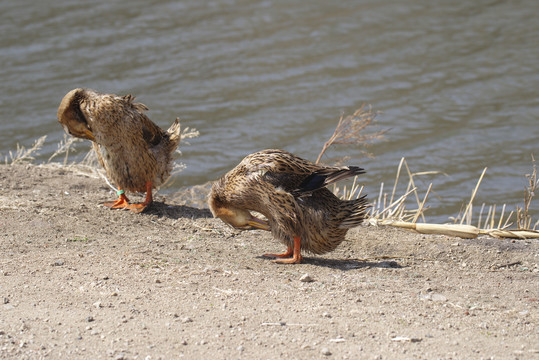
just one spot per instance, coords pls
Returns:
(80, 281)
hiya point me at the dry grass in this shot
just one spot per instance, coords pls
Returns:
(388, 208)
(24, 155)
(64, 147)
(496, 224)
(524, 220)
(350, 130)
(89, 165)
(391, 209)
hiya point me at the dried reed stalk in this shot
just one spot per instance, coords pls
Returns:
(395, 214)
(468, 212)
(349, 130)
(524, 220)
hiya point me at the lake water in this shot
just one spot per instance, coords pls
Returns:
(457, 83)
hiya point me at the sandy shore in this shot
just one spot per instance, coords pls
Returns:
(80, 281)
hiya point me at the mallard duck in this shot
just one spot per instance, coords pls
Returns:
(291, 193)
(135, 152)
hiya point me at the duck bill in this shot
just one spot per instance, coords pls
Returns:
(90, 135)
(259, 224)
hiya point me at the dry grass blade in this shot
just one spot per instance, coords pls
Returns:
(25, 155)
(64, 146)
(396, 179)
(468, 212)
(188, 133)
(524, 220)
(349, 130)
(395, 207)
(422, 205)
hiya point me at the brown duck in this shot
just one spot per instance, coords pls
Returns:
(135, 152)
(291, 193)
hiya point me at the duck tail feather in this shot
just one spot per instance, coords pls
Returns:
(358, 209)
(321, 178)
(174, 132)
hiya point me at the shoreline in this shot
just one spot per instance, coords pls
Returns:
(83, 281)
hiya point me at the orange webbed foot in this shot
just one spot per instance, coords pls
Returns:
(289, 252)
(138, 208)
(292, 254)
(121, 203)
(292, 260)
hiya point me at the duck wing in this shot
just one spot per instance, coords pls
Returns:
(323, 177)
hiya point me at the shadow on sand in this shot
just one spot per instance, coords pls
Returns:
(345, 264)
(177, 211)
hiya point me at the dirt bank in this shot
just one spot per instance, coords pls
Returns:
(79, 281)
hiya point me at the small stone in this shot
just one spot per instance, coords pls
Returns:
(90, 319)
(438, 297)
(58, 263)
(97, 304)
(186, 320)
(240, 348)
(306, 278)
(325, 352)
(326, 315)
(120, 356)
(405, 339)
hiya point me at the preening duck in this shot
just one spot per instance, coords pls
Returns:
(136, 153)
(291, 193)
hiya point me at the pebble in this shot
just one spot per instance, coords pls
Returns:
(325, 351)
(405, 339)
(438, 297)
(306, 278)
(90, 319)
(434, 297)
(187, 320)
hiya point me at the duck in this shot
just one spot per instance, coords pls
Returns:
(291, 193)
(137, 154)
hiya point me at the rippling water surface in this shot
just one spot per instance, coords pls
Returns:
(457, 84)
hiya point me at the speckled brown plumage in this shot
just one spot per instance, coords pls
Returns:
(290, 192)
(135, 152)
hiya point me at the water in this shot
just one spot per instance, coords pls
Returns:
(457, 84)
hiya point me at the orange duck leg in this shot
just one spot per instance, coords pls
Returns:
(121, 203)
(292, 254)
(138, 208)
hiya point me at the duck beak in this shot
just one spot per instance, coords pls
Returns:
(89, 134)
(259, 223)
